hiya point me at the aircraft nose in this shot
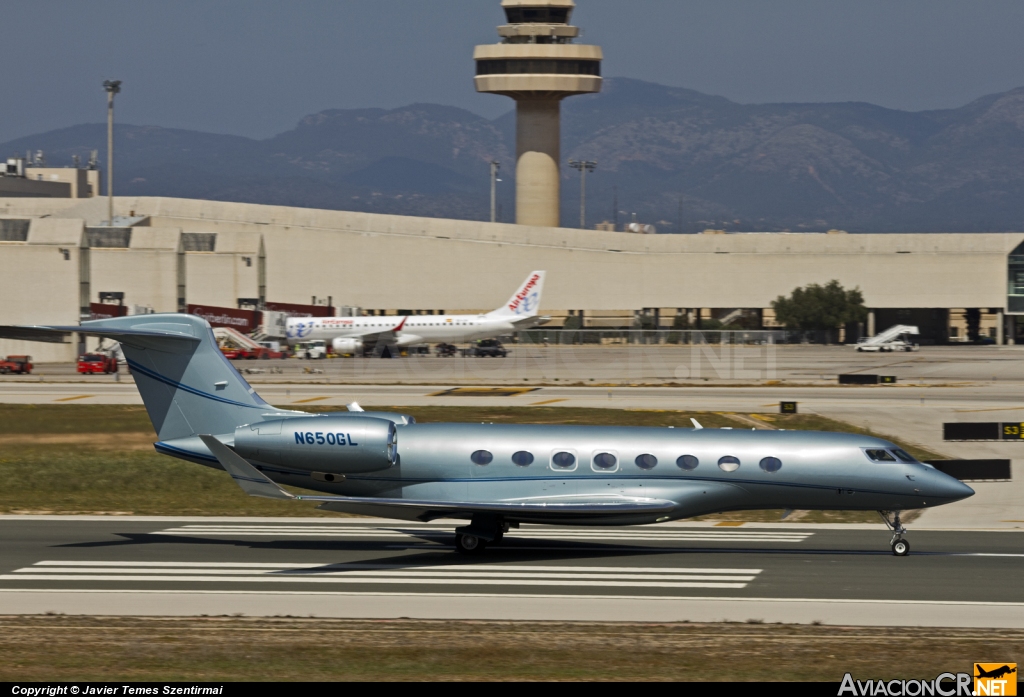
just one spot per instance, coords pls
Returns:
(951, 488)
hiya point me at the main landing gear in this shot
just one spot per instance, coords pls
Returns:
(900, 547)
(474, 538)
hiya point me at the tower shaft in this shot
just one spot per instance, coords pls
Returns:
(538, 152)
(538, 65)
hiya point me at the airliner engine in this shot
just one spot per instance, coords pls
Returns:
(338, 444)
(345, 346)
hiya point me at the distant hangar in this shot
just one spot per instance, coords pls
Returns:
(60, 262)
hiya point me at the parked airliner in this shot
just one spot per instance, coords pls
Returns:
(356, 334)
(495, 476)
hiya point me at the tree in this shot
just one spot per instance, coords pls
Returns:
(820, 307)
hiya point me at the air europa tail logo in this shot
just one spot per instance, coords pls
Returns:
(522, 300)
(995, 679)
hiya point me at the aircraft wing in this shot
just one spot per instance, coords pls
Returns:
(255, 483)
(410, 509)
(388, 336)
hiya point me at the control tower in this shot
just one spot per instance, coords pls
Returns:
(538, 65)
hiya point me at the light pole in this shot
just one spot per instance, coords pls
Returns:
(112, 87)
(583, 167)
(495, 166)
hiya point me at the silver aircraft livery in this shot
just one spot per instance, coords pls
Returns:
(356, 334)
(493, 476)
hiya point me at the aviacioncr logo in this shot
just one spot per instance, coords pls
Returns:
(528, 304)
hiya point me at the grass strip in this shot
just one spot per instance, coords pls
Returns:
(59, 648)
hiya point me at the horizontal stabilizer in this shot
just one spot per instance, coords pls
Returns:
(59, 334)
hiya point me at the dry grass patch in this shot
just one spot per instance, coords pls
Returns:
(57, 648)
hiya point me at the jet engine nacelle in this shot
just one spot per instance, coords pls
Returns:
(341, 445)
(342, 346)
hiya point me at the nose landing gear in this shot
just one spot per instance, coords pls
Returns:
(900, 547)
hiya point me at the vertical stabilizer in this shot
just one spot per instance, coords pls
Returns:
(525, 302)
(188, 386)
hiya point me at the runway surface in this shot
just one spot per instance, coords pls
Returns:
(373, 568)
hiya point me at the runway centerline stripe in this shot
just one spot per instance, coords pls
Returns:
(362, 566)
(365, 580)
(313, 573)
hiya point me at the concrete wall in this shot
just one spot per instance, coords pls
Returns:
(32, 188)
(83, 182)
(147, 272)
(39, 286)
(230, 272)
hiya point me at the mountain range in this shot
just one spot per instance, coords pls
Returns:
(677, 158)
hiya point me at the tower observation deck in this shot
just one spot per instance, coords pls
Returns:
(538, 65)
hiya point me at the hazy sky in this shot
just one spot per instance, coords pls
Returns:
(254, 67)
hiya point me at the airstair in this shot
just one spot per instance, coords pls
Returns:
(227, 335)
(890, 340)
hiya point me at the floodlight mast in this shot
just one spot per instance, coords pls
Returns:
(495, 166)
(112, 87)
(583, 167)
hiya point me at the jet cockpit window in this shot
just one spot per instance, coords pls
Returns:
(563, 460)
(646, 462)
(481, 457)
(522, 459)
(903, 455)
(728, 463)
(687, 462)
(880, 455)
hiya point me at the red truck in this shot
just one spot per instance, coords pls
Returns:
(21, 365)
(94, 363)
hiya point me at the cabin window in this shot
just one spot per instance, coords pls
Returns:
(903, 455)
(563, 460)
(687, 462)
(646, 462)
(728, 463)
(522, 459)
(481, 457)
(880, 455)
(771, 464)
(605, 461)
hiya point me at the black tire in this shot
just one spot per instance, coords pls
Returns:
(900, 548)
(470, 545)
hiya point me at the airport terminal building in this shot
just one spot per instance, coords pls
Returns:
(60, 262)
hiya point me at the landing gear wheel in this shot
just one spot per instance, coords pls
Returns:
(470, 545)
(900, 548)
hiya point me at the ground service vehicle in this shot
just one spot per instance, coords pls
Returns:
(312, 350)
(96, 363)
(446, 350)
(494, 476)
(486, 348)
(22, 365)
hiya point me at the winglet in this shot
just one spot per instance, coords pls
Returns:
(696, 424)
(252, 481)
(354, 406)
(401, 324)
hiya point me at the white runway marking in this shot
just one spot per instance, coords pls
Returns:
(573, 577)
(619, 535)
